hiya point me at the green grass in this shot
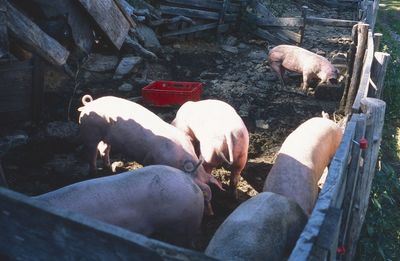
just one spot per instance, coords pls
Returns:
(380, 236)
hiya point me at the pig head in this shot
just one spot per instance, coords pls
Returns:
(301, 161)
(220, 132)
(300, 60)
(139, 134)
(151, 200)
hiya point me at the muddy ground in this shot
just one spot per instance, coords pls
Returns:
(51, 157)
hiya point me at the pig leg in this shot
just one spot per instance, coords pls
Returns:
(233, 182)
(305, 82)
(280, 70)
(104, 150)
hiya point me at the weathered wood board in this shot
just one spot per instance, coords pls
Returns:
(109, 17)
(31, 231)
(206, 4)
(30, 34)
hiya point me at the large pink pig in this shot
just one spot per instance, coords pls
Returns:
(301, 161)
(300, 60)
(151, 200)
(111, 122)
(221, 133)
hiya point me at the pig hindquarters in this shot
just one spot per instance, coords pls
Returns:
(111, 122)
(297, 59)
(265, 227)
(154, 199)
(301, 161)
(221, 133)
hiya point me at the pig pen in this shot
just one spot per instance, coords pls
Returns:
(50, 155)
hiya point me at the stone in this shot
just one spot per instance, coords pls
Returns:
(125, 87)
(126, 65)
(230, 49)
(149, 36)
(231, 41)
(262, 124)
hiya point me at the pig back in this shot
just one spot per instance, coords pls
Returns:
(301, 161)
(265, 227)
(148, 200)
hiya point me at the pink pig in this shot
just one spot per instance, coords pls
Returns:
(221, 133)
(301, 161)
(152, 200)
(297, 59)
(141, 136)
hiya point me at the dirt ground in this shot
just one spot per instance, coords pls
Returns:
(49, 161)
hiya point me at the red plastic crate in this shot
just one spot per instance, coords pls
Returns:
(170, 93)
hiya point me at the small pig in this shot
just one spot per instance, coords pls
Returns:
(297, 59)
(151, 200)
(301, 161)
(141, 136)
(220, 132)
(265, 227)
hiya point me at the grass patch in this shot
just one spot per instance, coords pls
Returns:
(380, 236)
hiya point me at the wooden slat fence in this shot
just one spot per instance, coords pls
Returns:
(334, 227)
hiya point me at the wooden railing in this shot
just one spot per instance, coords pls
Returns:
(334, 227)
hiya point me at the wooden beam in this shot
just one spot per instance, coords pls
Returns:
(206, 4)
(311, 20)
(304, 11)
(109, 17)
(31, 230)
(31, 35)
(365, 74)
(375, 111)
(280, 22)
(378, 72)
(352, 176)
(377, 41)
(189, 12)
(192, 29)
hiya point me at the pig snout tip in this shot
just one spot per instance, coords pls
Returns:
(86, 99)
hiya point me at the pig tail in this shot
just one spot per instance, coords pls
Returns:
(86, 99)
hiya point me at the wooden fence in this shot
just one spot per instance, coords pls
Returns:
(31, 231)
(334, 227)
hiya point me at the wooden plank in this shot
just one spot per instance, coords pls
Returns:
(304, 11)
(375, 111)
(189, 12)
(303, 249)
(110, 19)
(378, 72)
(120, 4)
(365, 74)
(377, 41)
(192, 29)
(274, 39)
(312, 20)
(222, 16)
(280, 22)
(352, 176)
(31, 35)
(4, 45)
(207, 4)
(50, 232)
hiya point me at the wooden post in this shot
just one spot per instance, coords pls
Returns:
(378, 72)
(375, 112)
(377, 41)
(221, 20)
(352, 176)
(351, 53)
(358, 63)
(4, 48)
(304, 10)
